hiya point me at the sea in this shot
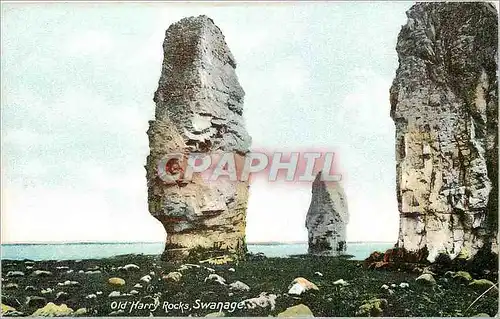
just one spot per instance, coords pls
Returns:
(75, 251)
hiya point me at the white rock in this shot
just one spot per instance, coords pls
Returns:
(15, 274)
(129, 267)
(146, 279)
(239, 286)
(296, 289)
(404, 285)
(384, 286)
(114, 294)
(69, 283)
(11, 286)
(91, 296)
(183, 268)
(318, 274)
(231, 269)
(47, 291)
(341, 282)
(300, 285)
(215, 278)
(41, 273)
(138, 286)
(264, 300)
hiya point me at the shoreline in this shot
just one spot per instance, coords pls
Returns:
(344, 286)
(69, 251)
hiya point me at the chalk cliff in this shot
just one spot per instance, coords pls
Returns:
(327, 218)
(199, 107)
(445, 107)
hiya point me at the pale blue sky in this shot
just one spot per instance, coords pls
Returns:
(77, 88)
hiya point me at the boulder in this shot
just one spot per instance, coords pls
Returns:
(115, 281)
(404, 285)
(129, 267)
(114, 294)
(46, 291)
(462, 276)
(373, 307)
(41, 273)
(61, 296)
(146, 278)
(219, 260)
(53, 310)
(301, 285)
(69, 283)
(117, 313)
(174, 276)
(11, 286)
(263, 301)
(481, 283)
(215, 278)
(216, 314)
(341, 282)
(296, 312)
(426, 279)
(239, 286)
(15, 274)
(80, 312)
(8, 311)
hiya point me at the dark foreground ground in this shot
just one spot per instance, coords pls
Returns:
(87, 287)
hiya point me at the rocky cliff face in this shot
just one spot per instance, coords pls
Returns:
(327, 218)
(199, 106)
(445, 107)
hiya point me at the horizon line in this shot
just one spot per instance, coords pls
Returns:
(159, 242)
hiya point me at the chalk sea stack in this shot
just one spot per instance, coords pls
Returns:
(444, 103)
(327, 218)
(199, 107)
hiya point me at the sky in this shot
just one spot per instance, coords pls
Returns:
(77, 88)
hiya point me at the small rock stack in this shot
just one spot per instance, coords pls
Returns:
(327, 218)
